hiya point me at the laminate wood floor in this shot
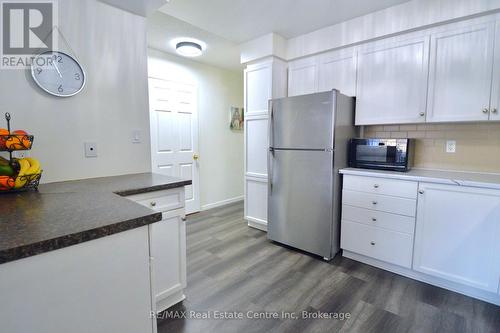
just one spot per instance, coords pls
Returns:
(231, 267)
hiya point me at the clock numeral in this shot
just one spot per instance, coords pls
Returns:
(77, 76)
(58, 58)
(38, 71)
(60, 89)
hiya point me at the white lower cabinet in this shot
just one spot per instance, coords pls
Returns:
(458, 234)
(448, 235)
(167, 246)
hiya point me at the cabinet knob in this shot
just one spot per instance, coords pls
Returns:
(372, 243)
(421, 191)
(422, 114)
(183, 219)
(376, 185)
(374, 219)
(196, 157)
(485, 110)
(494, 110)
(374, 202)
(152, 203)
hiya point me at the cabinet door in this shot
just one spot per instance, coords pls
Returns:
(258, 88)
(392, 82)
(168, 250)
(337, 70)
(461, 74)
(457, 234)
(303, 76)
(495, 91)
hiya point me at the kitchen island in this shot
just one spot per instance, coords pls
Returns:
(75, 256)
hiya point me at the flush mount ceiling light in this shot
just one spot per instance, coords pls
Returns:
(189, 49)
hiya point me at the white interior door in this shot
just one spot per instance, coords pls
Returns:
(174, 134)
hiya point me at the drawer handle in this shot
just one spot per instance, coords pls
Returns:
(376, 185)
(153, 203)
(374, 219)
(374, 202)
(372, 243)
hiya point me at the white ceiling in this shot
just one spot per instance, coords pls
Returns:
(141, 7)
(163, 29)
(243, 20)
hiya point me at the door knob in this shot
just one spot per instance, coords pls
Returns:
(485, 110)
(422, 114)
(196, 157)
(372, 243)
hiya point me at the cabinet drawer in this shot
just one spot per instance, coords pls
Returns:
(161, 201)
(378, 202)
(390, 246)
(393, 187)
(375, 218)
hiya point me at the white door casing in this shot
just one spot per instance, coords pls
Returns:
(174, 134)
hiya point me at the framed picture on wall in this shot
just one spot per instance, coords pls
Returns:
(236, 119)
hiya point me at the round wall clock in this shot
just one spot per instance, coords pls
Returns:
(58, 73)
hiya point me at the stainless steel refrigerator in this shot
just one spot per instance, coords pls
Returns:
(308, 138)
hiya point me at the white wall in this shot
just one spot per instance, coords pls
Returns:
(220, 149)
(111, 45)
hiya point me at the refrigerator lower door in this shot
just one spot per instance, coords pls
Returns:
(300, 199)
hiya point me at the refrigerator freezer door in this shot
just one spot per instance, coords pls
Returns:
(302, 122)
(301, 199)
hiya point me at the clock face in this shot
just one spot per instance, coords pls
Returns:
(58, 73)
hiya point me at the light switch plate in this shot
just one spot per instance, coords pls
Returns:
(90, 149)
(21, 154)
(451, 146)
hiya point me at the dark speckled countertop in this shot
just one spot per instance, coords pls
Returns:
(67, 213)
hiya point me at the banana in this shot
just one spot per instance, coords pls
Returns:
(24, 166)
(34, 166)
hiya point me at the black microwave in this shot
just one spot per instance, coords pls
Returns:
(382, 154)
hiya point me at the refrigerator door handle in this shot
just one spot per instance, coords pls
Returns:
(270, 169)
(271, 120)
(271, 148)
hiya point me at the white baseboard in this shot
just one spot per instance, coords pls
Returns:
(221, 203)
(256, 223)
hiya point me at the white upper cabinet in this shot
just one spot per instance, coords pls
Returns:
(337, 70)
(461, 74)
(303, 76)
(392, 81)
(457, 234)
(495, 91)
(258, 88)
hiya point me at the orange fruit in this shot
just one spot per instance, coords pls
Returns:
(3, 132)
(6, 183)
(18, 140)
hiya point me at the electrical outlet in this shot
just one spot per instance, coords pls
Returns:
(90, 149)
(451, 146)
(136, 136)
(21, 154)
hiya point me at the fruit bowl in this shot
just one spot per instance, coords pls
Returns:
(14, 142)
(29, 181)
